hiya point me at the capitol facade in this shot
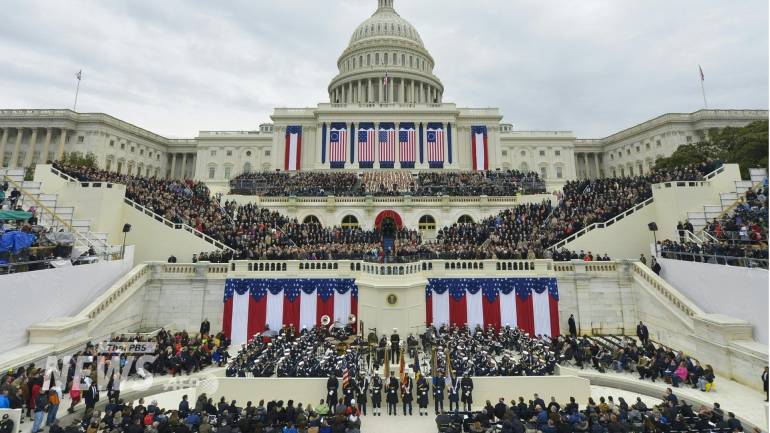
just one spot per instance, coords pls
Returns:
(386, 110)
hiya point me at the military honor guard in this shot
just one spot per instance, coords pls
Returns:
(422, 395)
(376, 390)
(454, 394)
(466, 384)
(407, 386)
(439, 383)
(361, 390)
(392, 397)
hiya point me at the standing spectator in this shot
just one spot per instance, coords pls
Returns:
(41, 405)
(54, 398)
(572, 326)
(643, 259)
(764, 383)
(643, 333)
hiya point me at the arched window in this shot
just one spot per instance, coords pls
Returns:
(465, 219)
(349, 222)
(427, 222)
(311, 219)
(247, 167)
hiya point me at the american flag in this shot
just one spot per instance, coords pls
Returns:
(79, 75)
(436, 144)
(407, 139)
(338, 141)
(702, 77)
(366, 143)
(387, 139)
(345, 376)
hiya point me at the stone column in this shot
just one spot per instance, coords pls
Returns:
(31, 151)
(14, 162)
(3, 140)
(412, 92)
(184, 165)
(360, 88)
(173, 167)
(391, 85)
(62, 140)
(381, 95)
(587, 167)
(350, 92)
(46, 145)
(596, 165)
(370, 91)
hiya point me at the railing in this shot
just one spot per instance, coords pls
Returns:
(129, 283)
(81, 241)
(490, 267)
(746, 262)
(17, 267)
(605, 224)
(177, 226)
(657, 283)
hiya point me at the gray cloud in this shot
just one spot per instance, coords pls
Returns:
(176, 67)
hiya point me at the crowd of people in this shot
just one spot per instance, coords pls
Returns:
(738, 238)
(296, 353)
(388, 183)
(301, 184)
(522, 232)
(565, 255)
(671, 414)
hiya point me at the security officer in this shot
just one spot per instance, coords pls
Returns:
(466, 384)
(422, 395)
(376, 395)
(395, 340)
(382, 347)
(439, 383)
(406, 393)
(392, 397)
(331, 387)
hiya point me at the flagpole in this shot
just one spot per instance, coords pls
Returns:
(77, 90)
(703, 86)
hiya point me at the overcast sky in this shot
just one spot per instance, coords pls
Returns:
(176, 67)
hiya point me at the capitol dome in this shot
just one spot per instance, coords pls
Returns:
(385, 45)
(386, 23)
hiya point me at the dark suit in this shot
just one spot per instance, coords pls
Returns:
(572, 326)
(91, 396)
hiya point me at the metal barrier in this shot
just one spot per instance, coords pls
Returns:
(746, 262)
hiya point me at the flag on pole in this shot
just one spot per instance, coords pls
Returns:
(79, 75)
(345, 376)
(385, 81)
(702, 77)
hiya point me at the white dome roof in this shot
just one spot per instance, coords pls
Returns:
(385, 23)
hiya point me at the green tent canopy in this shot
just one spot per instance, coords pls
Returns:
(14, 215)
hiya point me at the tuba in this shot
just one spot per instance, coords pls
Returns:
(326, 320)
(352, 319)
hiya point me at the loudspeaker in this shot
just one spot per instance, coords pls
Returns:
(652, 226)
(126, 228)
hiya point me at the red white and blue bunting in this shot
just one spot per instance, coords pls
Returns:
(250, 304)
(532, 304)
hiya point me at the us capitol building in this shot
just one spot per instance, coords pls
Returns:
(386, 110)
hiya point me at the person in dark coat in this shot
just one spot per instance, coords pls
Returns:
(184, 407)
(91, 396)
(392, 397)
(205, 326)
(454, 394)
(361, 390)
(466, 384)
(407, 386)
(500, 409)
(572, 326)
(422, 395)
(439, 383)
(331, 388)
(643, 333)
(376, 395)
(764, 383)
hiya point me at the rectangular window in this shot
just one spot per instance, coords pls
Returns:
(213, 153)
(657, 143)
(689, 138)
(212, 171)
(559, 173)
(505, 153)
(543, 172)
(542, 153)
(122, 146)
(112, 143)
(81, 138)
(229, 153)
(557, 152)
(267, 153)
(227, 172)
